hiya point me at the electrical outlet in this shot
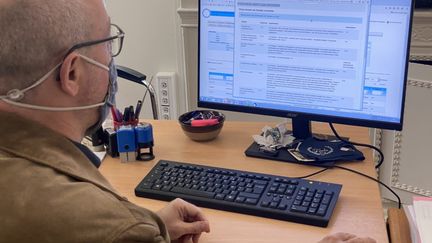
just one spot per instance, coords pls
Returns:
(166, 89)
(165, 101)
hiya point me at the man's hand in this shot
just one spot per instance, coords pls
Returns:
(346, 238)
(185, 222)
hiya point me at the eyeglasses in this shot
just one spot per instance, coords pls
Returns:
(115, 42)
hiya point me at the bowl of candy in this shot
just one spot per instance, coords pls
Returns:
(202, 125)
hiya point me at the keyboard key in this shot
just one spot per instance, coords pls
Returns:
(294, 182)
(265, 204)
(191, 192)
(314, 205)
(274, 204)
(281, 190)
(289, 192)
(220, 196)
(326, 199)
(322, 210)
(249, 195)
(306, 204)
(146, 185)
(299, 209)
(282, 206)
(166, 188)
(229, 198)
(260, 182)
(240, 199)
(308, 199)
(251, 201)
(157, 187)
(312, 211)
(276, 199)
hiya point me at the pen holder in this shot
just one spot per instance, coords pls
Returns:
(117, 124)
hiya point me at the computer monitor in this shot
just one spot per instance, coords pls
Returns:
(339, 61)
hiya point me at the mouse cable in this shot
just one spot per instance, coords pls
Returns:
(310, 175)
(381, 159)
(371, 178)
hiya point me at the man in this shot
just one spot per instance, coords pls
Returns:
(57, 81)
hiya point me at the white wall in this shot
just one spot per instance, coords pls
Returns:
(154, 43)
(151, 45)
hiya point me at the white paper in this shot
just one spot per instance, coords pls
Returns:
(268, 141)
(409, 212)
(100, 155)
(423, 214)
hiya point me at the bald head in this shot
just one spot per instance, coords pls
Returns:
(36, 34)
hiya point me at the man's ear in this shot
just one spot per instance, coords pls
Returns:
(71, 74)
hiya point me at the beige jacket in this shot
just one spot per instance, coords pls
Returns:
(51, 192)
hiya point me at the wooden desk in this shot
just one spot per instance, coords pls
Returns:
(358, 210)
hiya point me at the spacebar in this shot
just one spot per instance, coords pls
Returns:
(193, 192)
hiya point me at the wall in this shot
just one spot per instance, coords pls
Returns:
(151, 45)
(155, 35)
(408, 162)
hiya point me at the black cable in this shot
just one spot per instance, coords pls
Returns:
(310, 175)
(147, 88)
(381, 160)
(369, 177)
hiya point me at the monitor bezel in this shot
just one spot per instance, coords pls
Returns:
(309, 116)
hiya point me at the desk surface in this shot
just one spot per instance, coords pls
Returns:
(358, 210)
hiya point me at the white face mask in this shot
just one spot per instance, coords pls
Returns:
(15, 95)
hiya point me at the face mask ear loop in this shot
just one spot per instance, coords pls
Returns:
(42, 79)
(98, 64)
(16, 94)
(54, 109)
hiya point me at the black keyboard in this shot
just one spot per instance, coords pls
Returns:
(296, 200)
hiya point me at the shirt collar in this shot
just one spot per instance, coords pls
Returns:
(89, 154)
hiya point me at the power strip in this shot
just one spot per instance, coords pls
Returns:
(166, 93)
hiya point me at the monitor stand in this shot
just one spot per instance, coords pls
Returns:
(301, 130)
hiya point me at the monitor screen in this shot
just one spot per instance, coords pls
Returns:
(342, 61)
